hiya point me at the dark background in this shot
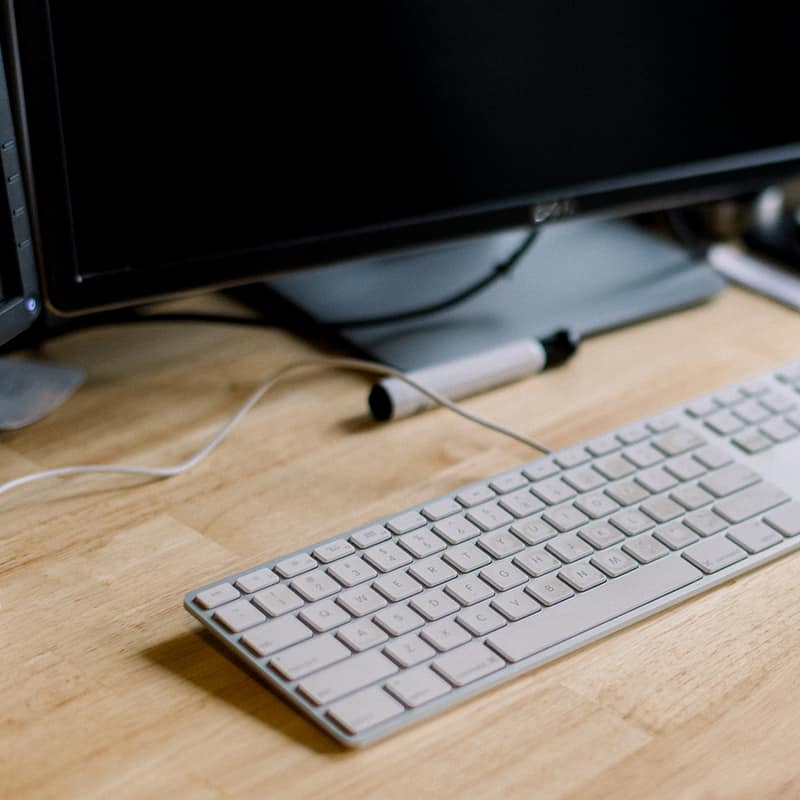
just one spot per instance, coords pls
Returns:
(194, 129)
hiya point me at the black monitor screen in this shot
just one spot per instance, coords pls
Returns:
(193, 130)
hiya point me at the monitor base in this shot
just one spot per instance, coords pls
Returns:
(588, 276)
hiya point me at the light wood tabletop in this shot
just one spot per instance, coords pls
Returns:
(108, 688)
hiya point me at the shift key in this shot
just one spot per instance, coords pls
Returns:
(752, 501)
(303, 659)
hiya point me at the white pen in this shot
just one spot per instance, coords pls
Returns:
(390, 398)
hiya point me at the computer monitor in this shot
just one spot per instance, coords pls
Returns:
(175, 146)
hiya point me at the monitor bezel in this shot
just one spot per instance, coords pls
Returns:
(69, 291)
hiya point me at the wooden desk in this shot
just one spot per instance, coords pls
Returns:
(109, 689)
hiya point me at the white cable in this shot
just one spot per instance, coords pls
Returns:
(216, 440)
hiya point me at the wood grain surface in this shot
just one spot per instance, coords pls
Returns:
(109, 689)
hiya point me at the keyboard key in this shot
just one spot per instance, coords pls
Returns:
(323, 616)
(675, 535)
(238, 615)
(712, 457)
(752, 441)
(361, 601)
(352, 571)
(537, 562)
(702, 407)
(290, 567)
(490, 516)
(600, 535)
(569, 548)
(474, 495)
(543, 468)
(515, 604)
(441, 509)
(417, 686)
(565, 518)
(643, 455)
(749, 502)
(549, 591)
(778, 429)
(645, 548)
(729, 479)
(789, 374)
(596, 505)
(503, 576)
(370, 536)
(572, 457)
(685, 467)
(469, 590)
(751, 412)
(503, 484)
(258, 579)
(364, 710)
(277, 600)
(661, 508)
(409, 650)
(355, 673)
(712, 555)
(631, 522)
(705, 522)
(276, 635)
(398, 620)
(729, 396)
(627, 493)
(553, 491)
(386, 557)
(315, 585)
(456, 530)
(466, 557)
(521, 503)
(785, 519)
(777, 402)
(522, 639)
(468, 664)
(603, 445)
(584, 479)
(613, 562)
(422, 543)
(480, 620)
(404, 523)
(677, 441)
(614, 467)
(794, 419)
(339, 548)
(663, 422)
(500, 544)
(582, 577)
(216, 596)
(534, 531)
(361, 634)
(434, 605)
(754, 388)
(308, 657)
(397, 586)
(655, 480)
(431, 571)
(633, 433)
(724, 422)
(691, 496)
(754, 536)
(445, 635)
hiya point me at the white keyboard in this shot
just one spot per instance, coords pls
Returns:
(382, 626)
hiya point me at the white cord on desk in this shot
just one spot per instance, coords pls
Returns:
(216, 440)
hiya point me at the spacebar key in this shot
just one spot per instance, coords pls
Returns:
(579, 614)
